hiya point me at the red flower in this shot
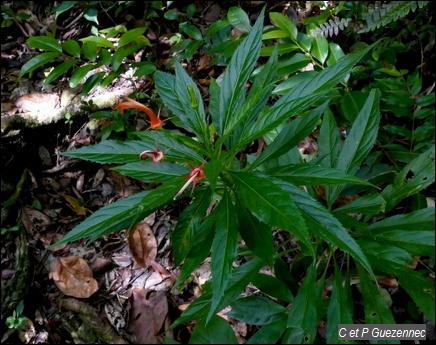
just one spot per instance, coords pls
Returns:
(157, 155)
(195, 175)
(155, 121)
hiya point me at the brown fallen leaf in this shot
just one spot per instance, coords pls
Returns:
(73, 276)
(143, 244)
(147, 316)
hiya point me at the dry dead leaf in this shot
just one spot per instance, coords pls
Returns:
(76, 205)
(143, 244)
(34, 220)
(147, 316)
(73, 276)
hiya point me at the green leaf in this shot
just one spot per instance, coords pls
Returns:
(417, 243)
(111, 151)
(185, 233)
(255, 310)
(320, 49)
(64, 6)
(324, 225)
(121, 53)
(376, 308)
(37, 61)
(359, 141)
(422, 170)
(212, 170)
(151, 172)
(237, 73)
(328, 140)
(113, 217)
(72, 47)
(124, 213)
(422, 220)
(340, 311)
(310, 175)
(224, 250)
(257, 235)
(270, 333)
(145, 68)
(303, 315)
(92, 82)
(174, 92)
(44, 43)
(299, 98)
(59, 70)
(352, 103)
(239, 279)
(192, 104)
(285, 24)
(257, 98)
(216, 27)
(203, 234)
(80, 73)
(91, 14)
(421, 289)
(273, 287)
(239, 19)
(386, 258)
(290, 65)
(290, 136)
(335, 54)
(89, 49)
(191, 31)
(130, 36)
(271, 204)
(99, 41)
(367, 204)
(216, 331)
(105, 57)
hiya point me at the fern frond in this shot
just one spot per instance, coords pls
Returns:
(331, 27)
(379, 16)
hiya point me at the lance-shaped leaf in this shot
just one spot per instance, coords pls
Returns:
(186, 230)
(241, 65)
(216, 331)
(322, 224)
(340, 311)
(301, 97)
(422, 169)
(423, 220)
(421, 289)
(38, 61)
(359, 141)
(313, 175)
(257, 235)
(328, 140)
(367, 204)
(180, 94)
(152, 172)
(386, 258)
(376, 309)
(270, 333)
(290, 136)
(177, 146)
(303, 315)
(239, 280)
(255, 310)
(271, 204)
(224, 250)
(123, 214)
(259, 94)
(203, 235)
(417, 243)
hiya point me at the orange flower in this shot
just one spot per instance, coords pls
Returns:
(155, 121)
